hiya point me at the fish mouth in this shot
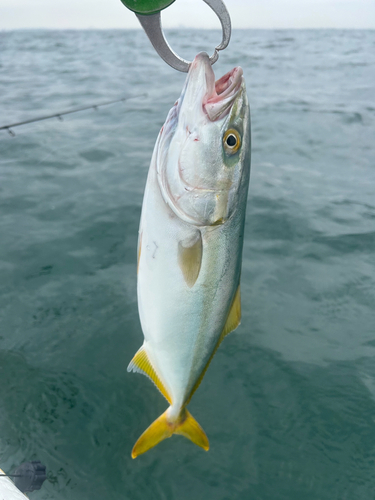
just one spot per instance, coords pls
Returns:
(226, 89)
(215, 97)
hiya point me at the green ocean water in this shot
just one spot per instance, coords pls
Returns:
(288, 403)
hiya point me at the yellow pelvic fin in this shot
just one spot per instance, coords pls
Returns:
(163, 428)
(141, 364)
(233, 320)
(190, 258)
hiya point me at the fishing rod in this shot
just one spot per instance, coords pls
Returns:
(60, 115)
(30, 476)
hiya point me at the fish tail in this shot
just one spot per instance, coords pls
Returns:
(163, 427)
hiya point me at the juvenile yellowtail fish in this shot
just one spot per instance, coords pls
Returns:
(190, 243)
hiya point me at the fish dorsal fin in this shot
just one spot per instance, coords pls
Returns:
(234, 316)
(233, 320)
(190, 258)
(141, 364)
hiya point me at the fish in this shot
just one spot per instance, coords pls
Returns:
(190, 243)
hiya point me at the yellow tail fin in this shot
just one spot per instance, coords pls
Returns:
(163, 428)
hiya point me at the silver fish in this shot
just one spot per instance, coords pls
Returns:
(190, 243)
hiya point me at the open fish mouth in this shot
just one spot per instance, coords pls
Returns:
(224, 94)
(215, 98)
(228, 84)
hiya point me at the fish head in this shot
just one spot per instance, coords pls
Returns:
(203, 146)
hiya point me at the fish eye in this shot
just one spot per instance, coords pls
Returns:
(232, 141)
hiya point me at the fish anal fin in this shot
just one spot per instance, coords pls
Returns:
(141, 363)
(190, 258)
(232, 322)
(163, 427)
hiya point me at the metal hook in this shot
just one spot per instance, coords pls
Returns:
(152, 26)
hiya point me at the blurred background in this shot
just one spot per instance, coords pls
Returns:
(101, 14)
(288, 403)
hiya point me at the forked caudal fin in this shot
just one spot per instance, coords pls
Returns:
(164, 427)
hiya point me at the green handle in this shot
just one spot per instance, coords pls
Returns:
(147, 6)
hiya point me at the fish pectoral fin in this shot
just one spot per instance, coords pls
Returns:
(141, 364)
(163, 428)
(190, 258)
(234, 316)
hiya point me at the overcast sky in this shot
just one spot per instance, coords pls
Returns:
(189, 13)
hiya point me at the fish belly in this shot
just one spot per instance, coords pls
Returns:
(182, 324)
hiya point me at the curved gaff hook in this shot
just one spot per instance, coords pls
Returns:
(152, 26)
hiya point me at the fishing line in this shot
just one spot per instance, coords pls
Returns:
(13, 475)
(68, 112)
(66, 153)
(51, 149)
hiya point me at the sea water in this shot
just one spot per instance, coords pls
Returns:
(288, 402)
